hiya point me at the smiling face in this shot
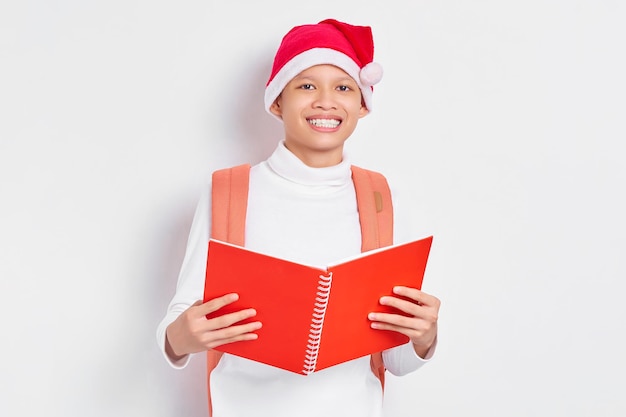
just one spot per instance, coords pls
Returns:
(320, 108)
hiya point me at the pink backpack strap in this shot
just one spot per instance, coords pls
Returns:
(376, 218)
(375, 208)
(229, 204)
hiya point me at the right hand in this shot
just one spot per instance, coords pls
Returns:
(191, 332)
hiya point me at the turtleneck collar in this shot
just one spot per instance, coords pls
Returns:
(284, 163)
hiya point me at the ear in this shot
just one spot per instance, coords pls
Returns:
(363, 111)
(275, 108)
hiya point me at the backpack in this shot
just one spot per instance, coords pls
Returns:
(229, 206)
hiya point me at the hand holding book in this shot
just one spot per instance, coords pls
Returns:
(191, 332)
(420, 321)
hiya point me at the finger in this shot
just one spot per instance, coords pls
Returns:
(417, 330)
(411, 333)
(414, 316)
(422, 339)
(378, 325)
(410, 307)
(229, 319)
(422, 311)
(388, 321)
(417, 296)
(238, 338)
(233, 334)
(216, 303)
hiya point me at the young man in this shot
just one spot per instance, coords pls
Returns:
(302, 207)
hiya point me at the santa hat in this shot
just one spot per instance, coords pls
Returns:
(348, 47)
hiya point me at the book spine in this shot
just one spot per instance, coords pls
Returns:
(317, 323)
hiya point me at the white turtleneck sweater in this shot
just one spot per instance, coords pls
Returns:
(307, 215)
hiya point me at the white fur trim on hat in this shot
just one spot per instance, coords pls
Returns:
(310, 58)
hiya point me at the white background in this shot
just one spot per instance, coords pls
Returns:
(505, 119)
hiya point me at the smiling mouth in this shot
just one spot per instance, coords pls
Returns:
(325, 123)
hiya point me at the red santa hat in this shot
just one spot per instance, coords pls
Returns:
(348, 47)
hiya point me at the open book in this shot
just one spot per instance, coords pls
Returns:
(313, 317)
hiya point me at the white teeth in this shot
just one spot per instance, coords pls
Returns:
(328, 123)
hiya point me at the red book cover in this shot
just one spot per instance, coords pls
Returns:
(313, 317)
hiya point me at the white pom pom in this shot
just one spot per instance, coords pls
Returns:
(371, 74)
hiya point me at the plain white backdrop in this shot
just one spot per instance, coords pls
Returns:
(504, 118)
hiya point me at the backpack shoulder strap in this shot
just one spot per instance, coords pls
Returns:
(229, 204)
(376, 218)
(375, 208)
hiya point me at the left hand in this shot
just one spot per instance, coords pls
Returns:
(420, 325)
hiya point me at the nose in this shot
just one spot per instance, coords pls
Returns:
(325, 99)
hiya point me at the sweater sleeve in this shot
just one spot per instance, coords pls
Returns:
(190, 285)
(402, 359)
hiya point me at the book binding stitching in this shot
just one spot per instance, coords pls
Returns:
(317, 323)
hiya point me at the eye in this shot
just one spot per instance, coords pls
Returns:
(307, 87)
(344, 88)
